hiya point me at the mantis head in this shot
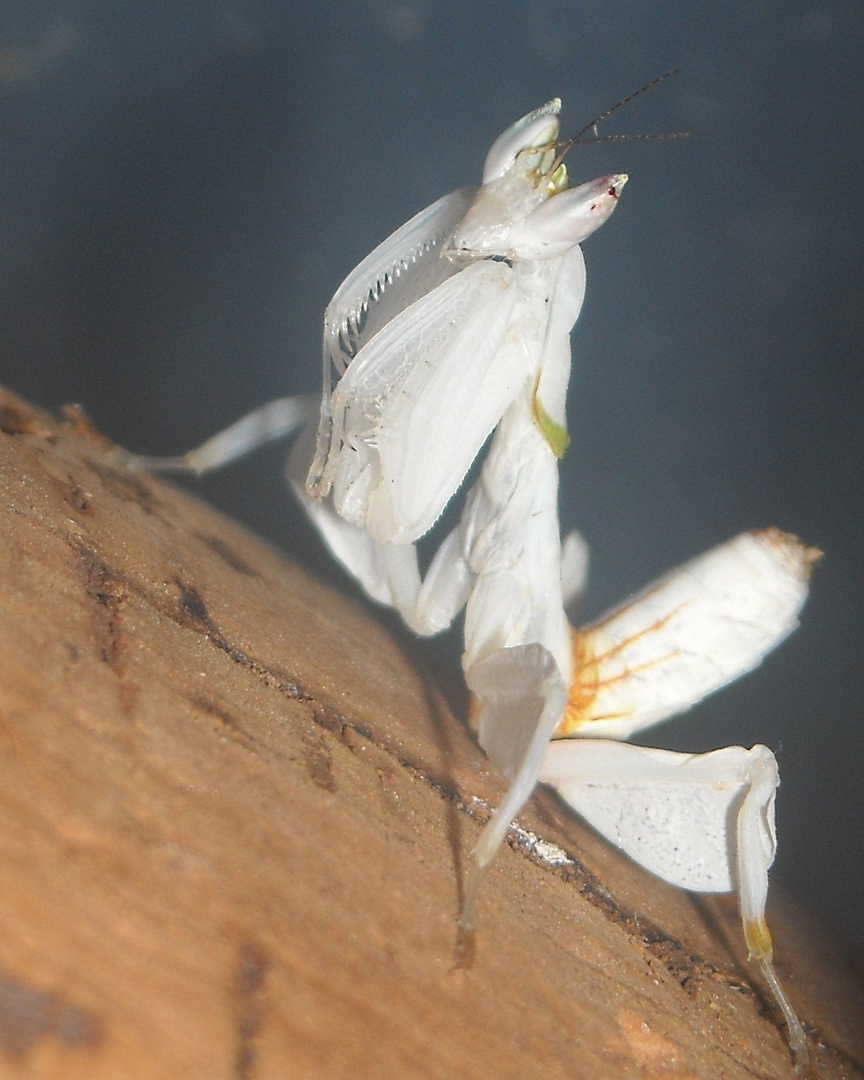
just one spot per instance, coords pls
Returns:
(524, 209)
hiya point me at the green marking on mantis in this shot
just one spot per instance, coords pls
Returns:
(553, 432)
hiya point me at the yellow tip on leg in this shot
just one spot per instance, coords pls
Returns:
(758, 938)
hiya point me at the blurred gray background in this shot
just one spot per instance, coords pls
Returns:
(183, 186)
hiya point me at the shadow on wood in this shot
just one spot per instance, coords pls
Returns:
(233, 823)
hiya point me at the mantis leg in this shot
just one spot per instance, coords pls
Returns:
(276, 420)
(699, 821)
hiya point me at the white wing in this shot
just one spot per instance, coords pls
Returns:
(416, 405)
(393, 275)
(686, 635)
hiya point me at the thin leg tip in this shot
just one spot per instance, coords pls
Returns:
(466, 947)
(797, 1038)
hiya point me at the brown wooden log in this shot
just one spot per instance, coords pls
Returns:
(234, 822)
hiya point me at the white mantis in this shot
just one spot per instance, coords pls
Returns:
(457, 327)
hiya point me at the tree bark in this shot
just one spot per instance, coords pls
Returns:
(234, 825)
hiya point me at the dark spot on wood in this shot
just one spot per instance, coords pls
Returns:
(222, 715)
(193, 609)
(318, 763)
(109, 593)
(238, 731)
(218, 545)
(675, 960)
(28, 1015)
(254, 963)
(332, 722)
(73, 651)
(79, 499)
(237, 655)
(251, 974)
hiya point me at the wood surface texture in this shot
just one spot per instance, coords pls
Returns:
(234, 826)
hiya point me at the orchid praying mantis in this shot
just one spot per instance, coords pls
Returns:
(456, 328)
